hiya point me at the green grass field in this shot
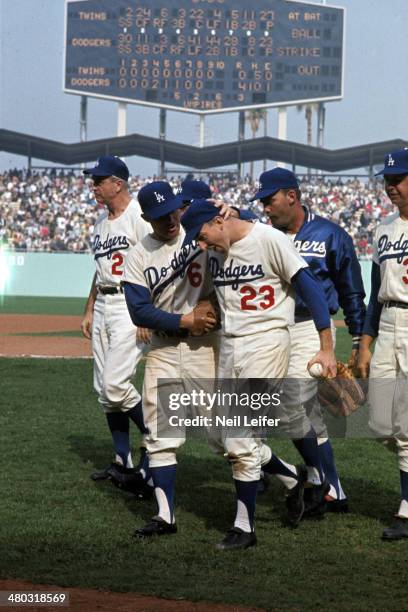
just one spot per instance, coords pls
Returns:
(41, 305)
(59, 527)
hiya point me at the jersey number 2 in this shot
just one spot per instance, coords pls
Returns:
(117, 259)
(249, 294)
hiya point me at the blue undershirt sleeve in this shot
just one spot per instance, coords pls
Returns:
(144, 314)
(374, 308)
(311, 293)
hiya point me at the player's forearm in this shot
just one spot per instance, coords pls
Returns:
(312, 294)
(326, 340)
(90, 303)
(144, 314)
(366, 342)
(349, 286)
(354, 311)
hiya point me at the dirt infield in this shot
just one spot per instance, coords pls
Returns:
(90, 600)
(12, 345)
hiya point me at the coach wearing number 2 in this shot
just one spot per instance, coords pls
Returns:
(106, 320)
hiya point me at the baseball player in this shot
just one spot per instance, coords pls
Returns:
(161, 281)
(329, 251)
(106, 320)
(193, 189)
(387, 320)
(162, 284)
(253, 268)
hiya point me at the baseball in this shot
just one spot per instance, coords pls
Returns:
(316, 370)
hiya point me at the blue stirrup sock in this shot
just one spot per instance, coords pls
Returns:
(329, 468)
(164, 479)
(246, 503)
(136, 414)
(118, 423)
(309, 451)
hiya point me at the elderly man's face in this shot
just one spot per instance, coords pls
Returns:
(106, 188)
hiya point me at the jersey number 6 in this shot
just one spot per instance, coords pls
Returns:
(249, 294)
(194, 275)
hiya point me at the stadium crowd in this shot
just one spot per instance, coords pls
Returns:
(56, 211)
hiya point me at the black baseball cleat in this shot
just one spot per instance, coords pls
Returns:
(294, 498)
(156, 527)
(397, 530)
(339, 506)
(315, 499)
(236, 539)
(101, 474)
(127, 479)
(144, 492)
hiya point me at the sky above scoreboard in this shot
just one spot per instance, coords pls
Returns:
(32, 99)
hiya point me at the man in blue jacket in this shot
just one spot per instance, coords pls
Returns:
(330, 253)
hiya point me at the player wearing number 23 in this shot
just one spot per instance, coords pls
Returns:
(255, 270)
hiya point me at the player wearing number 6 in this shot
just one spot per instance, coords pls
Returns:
(106, 320)
(163, 283)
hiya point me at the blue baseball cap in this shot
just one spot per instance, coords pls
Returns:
(199, 212)
(247, 215)
(395, 162)
(193, 189)
(157, 199)
(272, 180)
(109, 165)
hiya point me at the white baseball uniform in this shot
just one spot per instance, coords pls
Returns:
(388, 387)
(257, 303)
(176, 280)
(116, 352)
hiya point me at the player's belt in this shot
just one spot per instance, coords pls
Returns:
(303, 318)
(302, 315)
(181, 333)
(108, 290)
(393, 304)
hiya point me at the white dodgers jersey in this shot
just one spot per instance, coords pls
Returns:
(252, 281)
(177, 278)
(113, 240)
(391, 254)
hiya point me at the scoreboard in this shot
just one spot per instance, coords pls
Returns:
(204, 56)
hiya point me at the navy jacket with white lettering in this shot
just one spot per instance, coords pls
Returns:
(330, 253)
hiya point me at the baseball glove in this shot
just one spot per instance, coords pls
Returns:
(205, 309)
(341, 395)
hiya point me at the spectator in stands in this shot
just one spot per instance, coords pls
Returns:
(55, 211)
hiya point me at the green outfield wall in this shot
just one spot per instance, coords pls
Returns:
(46, 274)
(63, 274)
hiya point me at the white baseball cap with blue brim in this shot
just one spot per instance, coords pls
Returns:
(272, 181)
(395, 162)
(157, 200)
